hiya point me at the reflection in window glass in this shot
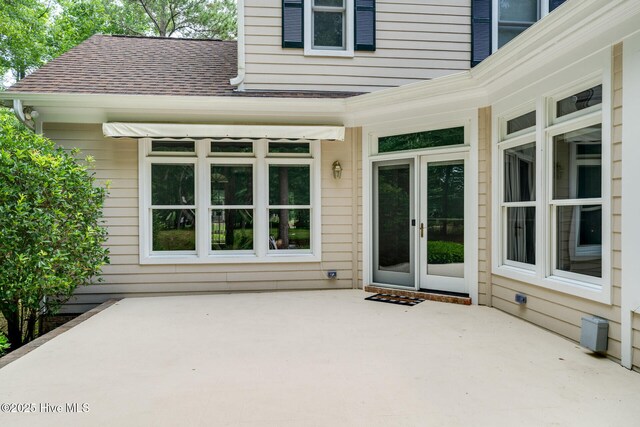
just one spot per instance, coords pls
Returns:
(289, 147)
(231, 185)
(328, 24)
(173, 230)
(428, 139)
(231, 147)
(521, 234)
(579, 101)
(579, 239)
(515, 16)
(577, 159)
(231, 229)
(522, 122)
(520, 173)
(289, 229)
(173, 146)
(445, 219)
(289, 185)
(172, 184)
(518, 10)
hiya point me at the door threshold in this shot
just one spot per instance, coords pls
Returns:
(430, 295)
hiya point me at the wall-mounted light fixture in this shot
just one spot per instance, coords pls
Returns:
(337, 170)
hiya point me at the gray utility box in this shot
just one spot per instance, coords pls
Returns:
(594, 333)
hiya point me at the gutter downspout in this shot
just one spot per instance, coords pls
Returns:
(18, 110)
(239, 79)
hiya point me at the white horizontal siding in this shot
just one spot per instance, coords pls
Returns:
(415, 41)
(116, 161)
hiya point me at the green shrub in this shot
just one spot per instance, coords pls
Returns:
(439, 252)
(4, 344)
(51, 231)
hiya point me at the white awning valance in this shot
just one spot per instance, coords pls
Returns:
(170, 130)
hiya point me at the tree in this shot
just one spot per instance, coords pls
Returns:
(33, 32)
(186, 18)
(51, 234)
(23, 36)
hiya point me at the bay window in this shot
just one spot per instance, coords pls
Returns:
(552, 191)
(229, 200)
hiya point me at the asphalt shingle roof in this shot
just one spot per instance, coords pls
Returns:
(106, 64)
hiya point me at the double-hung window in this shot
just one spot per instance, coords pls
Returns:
(515, 16)
(329, 27)
(229, 200)
(328, 23)
(552, 191)
(518, 193)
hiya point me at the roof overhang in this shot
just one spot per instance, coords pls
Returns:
(159, 130)
(579, 29)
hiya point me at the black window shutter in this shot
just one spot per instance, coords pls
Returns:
(554, 3)
(365, 25)
(480, 30)
(292, 23)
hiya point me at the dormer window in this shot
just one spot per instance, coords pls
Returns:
(329, 27)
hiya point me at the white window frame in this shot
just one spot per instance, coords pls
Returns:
(543, 10)
(508, 141)
(203, 158)
(595, 70)
(348, 28)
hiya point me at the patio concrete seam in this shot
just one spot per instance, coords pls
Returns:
(29, 347)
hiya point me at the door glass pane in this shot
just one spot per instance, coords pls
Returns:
(521, 234)
(520, 173)
(445, 219)
(418, 140)
(577, 160)
(579, 239)
(394, 210)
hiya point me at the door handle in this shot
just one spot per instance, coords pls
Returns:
(421, 230)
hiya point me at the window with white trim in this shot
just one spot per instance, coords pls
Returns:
(328, 24)
(229, 200)
(551, 226)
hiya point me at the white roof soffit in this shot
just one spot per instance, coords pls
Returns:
(162, 130)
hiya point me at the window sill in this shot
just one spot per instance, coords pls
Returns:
(590, 291)
(329, 53)
(229, 259)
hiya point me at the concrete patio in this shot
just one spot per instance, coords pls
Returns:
(321, 358)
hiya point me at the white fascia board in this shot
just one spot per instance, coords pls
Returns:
(92, 108)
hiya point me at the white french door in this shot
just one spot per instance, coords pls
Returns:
(419, 210)
(443, 196)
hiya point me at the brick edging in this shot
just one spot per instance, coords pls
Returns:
(29, 347)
